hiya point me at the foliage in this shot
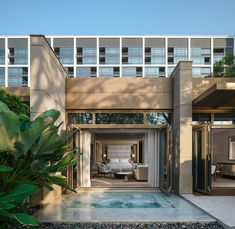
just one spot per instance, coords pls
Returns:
(14, 102)
(225, 67)
(31, 152)
(10, 200)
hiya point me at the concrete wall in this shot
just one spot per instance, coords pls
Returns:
(47, 81)
(182, 128)
(47, 91)
(119, 93)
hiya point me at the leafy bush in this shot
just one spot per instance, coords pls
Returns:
(31, 152)
(14, 102)
(225, 67)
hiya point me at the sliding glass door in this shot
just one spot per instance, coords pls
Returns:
(201, 159)
(165, 158)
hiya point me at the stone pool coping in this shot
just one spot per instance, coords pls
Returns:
(156, 225)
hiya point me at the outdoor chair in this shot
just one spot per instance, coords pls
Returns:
(104, 169)
(216, 170)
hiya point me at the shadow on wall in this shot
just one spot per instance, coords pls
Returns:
(119, 93)
(47, 84)
(202, 84)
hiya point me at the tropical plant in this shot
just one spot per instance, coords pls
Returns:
(225, 67)
(32, 152)
(10, 213)
(14, 102)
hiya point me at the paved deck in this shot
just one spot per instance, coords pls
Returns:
(220, 207)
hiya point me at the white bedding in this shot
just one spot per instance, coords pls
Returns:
(120, 165)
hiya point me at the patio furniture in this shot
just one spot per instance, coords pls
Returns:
(141, 172)
(216, 170)
(213, 168)
(122, 175)
(104, 169)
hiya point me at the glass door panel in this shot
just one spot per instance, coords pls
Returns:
(165, 158)
(201, 159)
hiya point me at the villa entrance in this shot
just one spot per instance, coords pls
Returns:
(213, 159)
(125, 158)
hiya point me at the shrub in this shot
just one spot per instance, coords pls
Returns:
(14, 102)
(31, 152)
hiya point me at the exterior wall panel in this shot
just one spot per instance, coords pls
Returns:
(109, 42)
(132, 42)
(200, 42)
(63, 42)
(178, 42)
(17, 42)
(47, 86)
(155, 42)
(86, 42)
(119, 93)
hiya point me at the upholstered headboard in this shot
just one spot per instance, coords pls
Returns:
(119, 151)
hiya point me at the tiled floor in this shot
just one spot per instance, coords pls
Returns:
(82, 207)
(223, 182)
(220, 207)
(111, 181)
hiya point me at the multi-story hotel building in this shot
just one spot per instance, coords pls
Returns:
(150, 98)
(115, 56)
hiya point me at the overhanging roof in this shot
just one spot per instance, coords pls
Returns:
(221, 94)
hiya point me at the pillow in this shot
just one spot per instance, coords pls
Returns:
(124, 160)
(114, 160)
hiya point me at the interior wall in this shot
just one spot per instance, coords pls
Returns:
(100, 146)
(220, 148)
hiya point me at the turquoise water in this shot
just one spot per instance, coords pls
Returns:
(121, 206)
(123, 200)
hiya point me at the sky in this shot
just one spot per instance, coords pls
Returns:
(117, 17)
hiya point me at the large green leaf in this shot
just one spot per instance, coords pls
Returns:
(48, 141)
(61, 181)
(24, 122)
(3, 107)
(10, 121)
(5, 168)
(68, 160)
(25, 219)
(19, 193)
(28, 137)
(7, 206)
(4, 139)
(54, 114)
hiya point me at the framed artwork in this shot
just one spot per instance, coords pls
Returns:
(231, 142)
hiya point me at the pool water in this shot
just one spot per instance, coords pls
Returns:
(121, 206)
(122, 200)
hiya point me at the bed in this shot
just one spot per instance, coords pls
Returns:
(119, 157)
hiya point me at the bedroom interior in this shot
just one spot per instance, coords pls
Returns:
(125, 158)
(223, 157)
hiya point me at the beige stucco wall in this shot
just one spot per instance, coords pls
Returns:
(182, 128)
(47, 81)
(118, 93)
